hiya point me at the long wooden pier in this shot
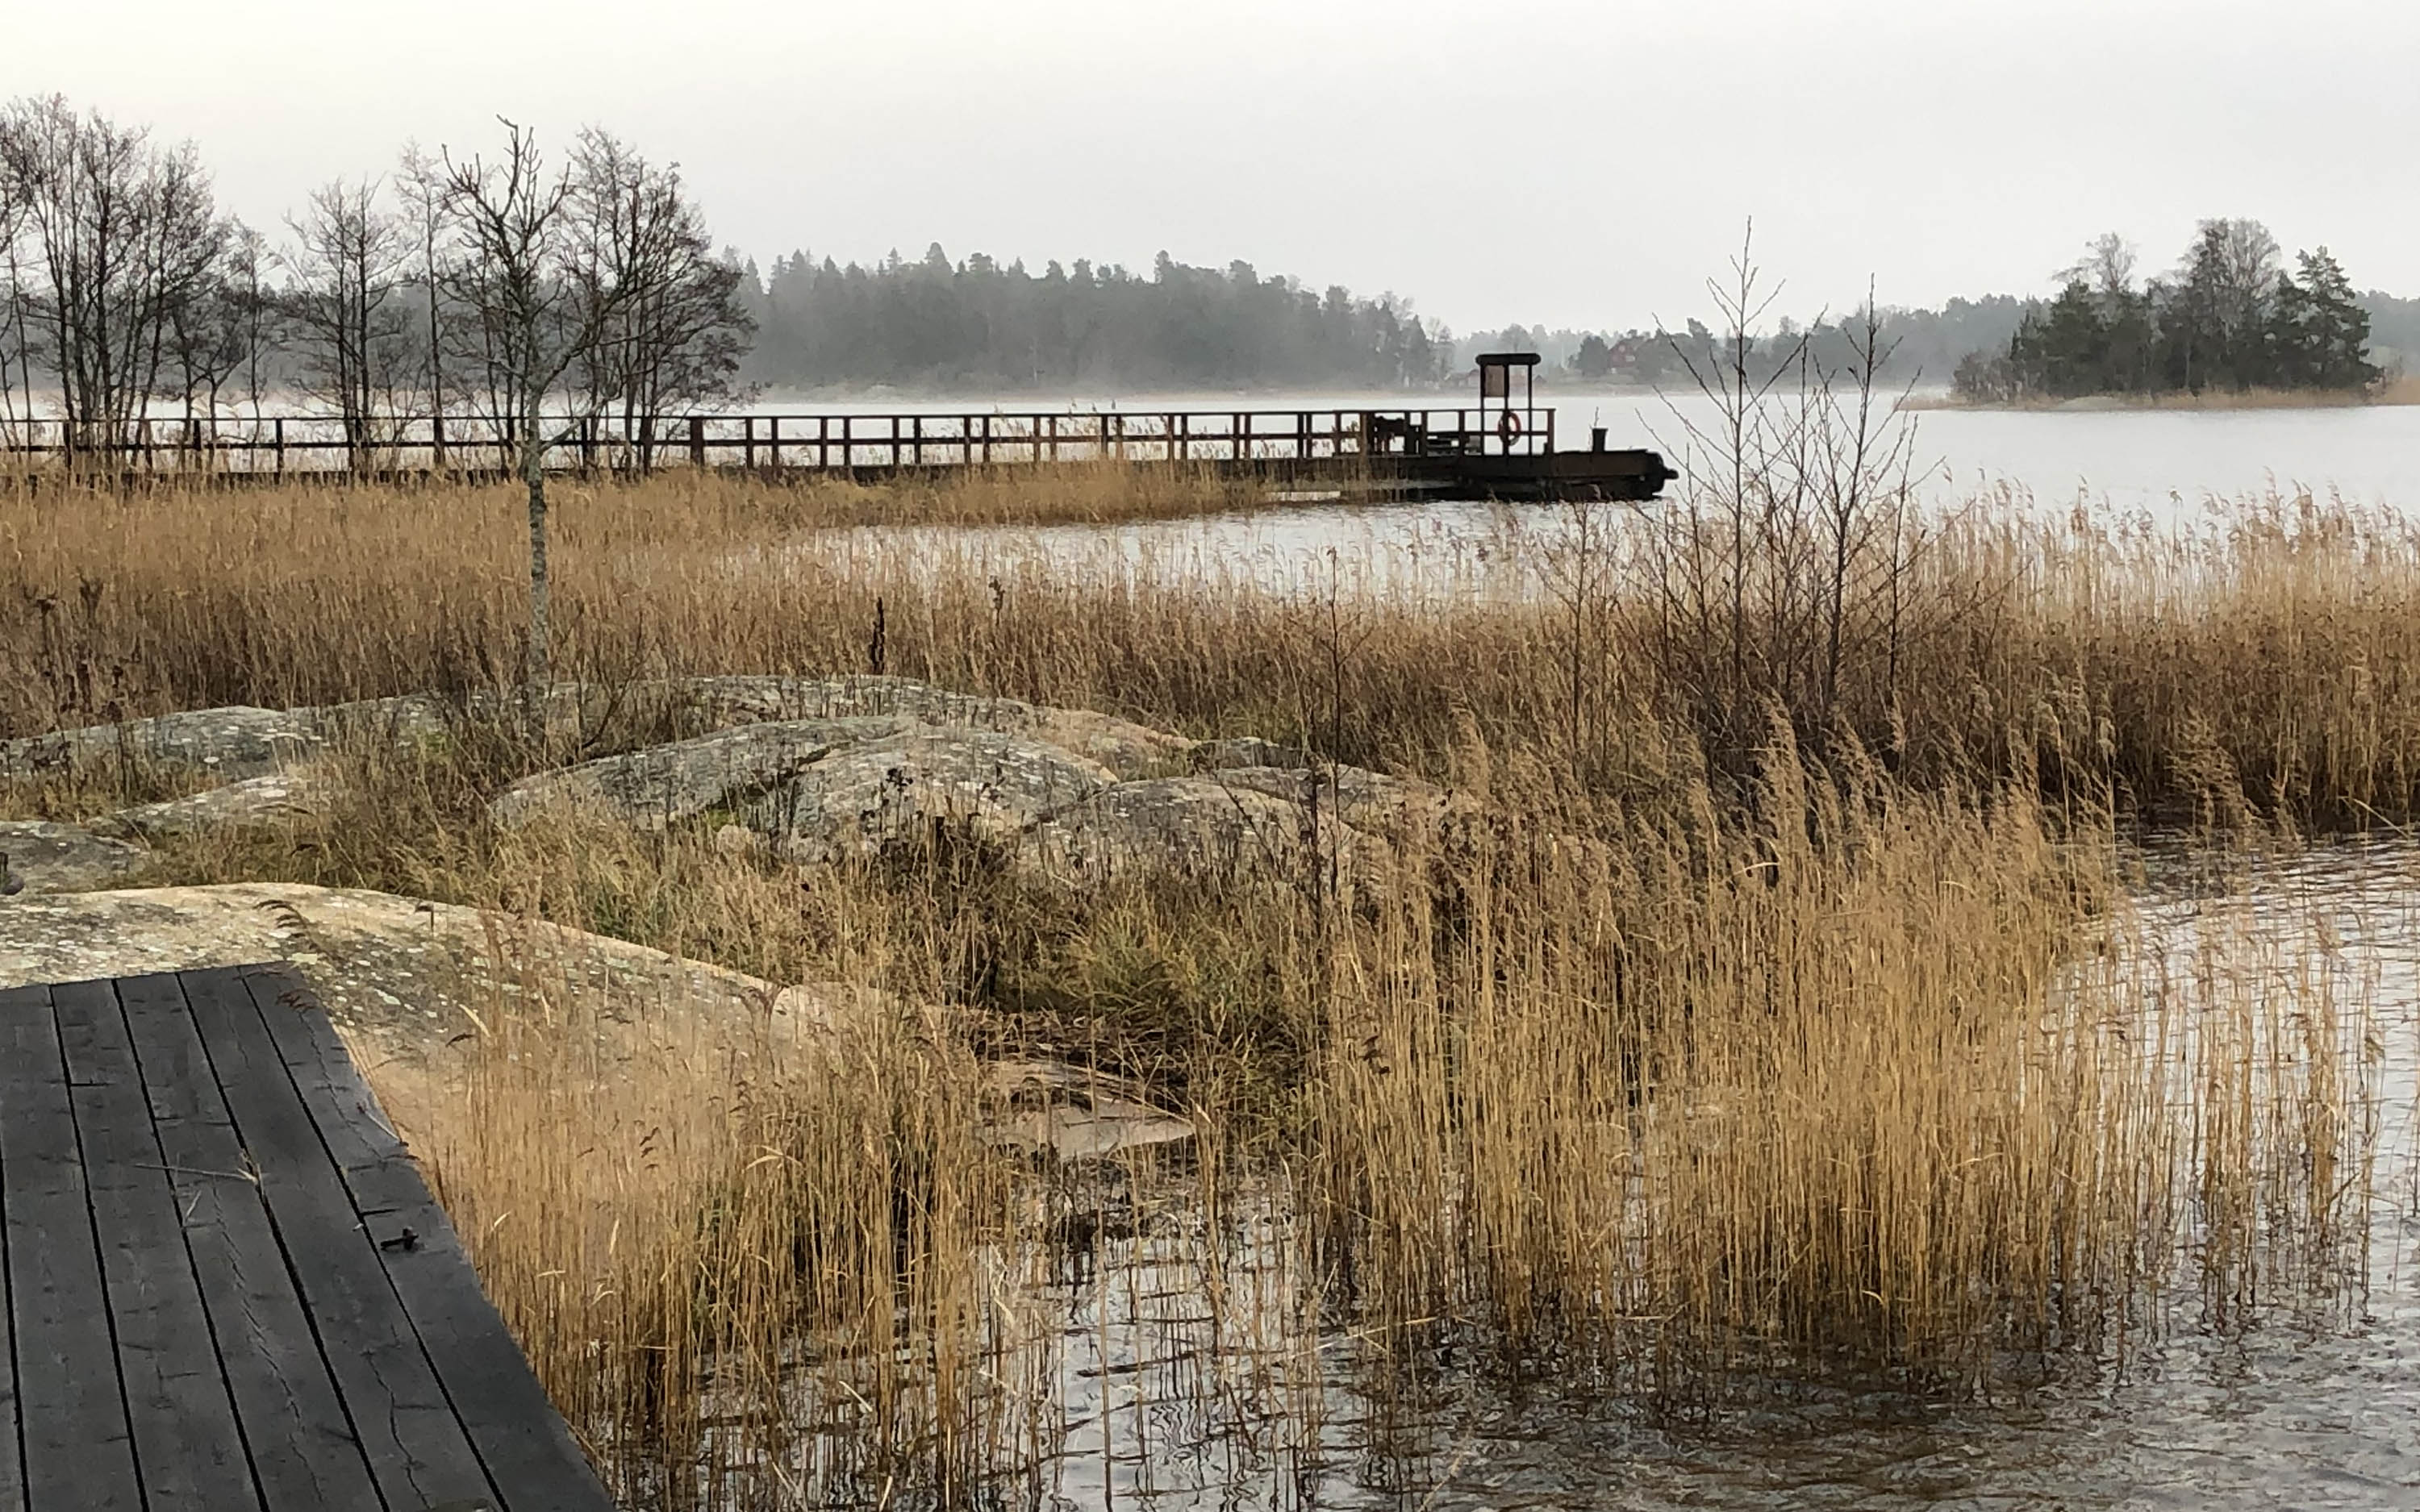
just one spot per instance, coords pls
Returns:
(224, 1285)
(1500, 450)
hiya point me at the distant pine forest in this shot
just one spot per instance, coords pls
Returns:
(2234, 316)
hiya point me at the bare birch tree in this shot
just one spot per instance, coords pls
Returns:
(121, 232)
(247, 273)
(531, 309)
(214, 330)
(674, 341)
(344, 308)
(13, 354)
(420, 180)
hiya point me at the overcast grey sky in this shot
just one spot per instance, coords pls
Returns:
(1575, 163)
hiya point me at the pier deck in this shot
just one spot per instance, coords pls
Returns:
(225, 1284)
(1484, 452)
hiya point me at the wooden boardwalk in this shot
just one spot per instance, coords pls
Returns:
(223, 1284)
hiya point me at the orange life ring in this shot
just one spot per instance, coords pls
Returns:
(1508, 429)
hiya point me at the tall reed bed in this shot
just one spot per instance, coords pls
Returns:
(1754, 1009)
(2260, 660)
(1677, 1105)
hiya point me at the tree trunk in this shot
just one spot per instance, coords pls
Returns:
(534, 475)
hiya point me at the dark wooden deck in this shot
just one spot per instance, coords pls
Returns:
(225, 1283)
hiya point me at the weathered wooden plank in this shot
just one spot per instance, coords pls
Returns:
(417, 1451)
(72, 1420)
(176, 1402)
(528, 1452)
(378, 1174)
(12, 1462)
(303, 1448)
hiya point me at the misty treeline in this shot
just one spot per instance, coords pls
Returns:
(978, 324)
(2233, 315)
(497, 288)
(1917, 344)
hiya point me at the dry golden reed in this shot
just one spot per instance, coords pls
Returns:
(1733, 1020)
(2266, 651)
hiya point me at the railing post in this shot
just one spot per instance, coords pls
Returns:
(773, 443)
(697, 441)
(277, 444)
(437, 441)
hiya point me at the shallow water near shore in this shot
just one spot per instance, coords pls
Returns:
(2183, 474)
(2311, 1400)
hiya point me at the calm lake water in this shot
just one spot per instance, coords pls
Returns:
(2126, 459)
(2167, 468)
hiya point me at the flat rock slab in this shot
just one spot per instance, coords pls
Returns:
(1074, 1113)
(1128, 749)
(822, 768)
(410, 983)
(48, 857)
(662, 785)
(406, 981)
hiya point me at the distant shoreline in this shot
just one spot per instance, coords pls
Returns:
(2399, 392)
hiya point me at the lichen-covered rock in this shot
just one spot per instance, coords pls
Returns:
(1128, 749)
(237, 741)
(47, 856)
(412, 985)
(1248, 751)
(661, 785)
(229, 744)
(1371, 802)
(1192, 826)
(988, 784)
(819, 770)
(276, 799)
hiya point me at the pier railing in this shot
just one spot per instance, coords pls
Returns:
(839, 442)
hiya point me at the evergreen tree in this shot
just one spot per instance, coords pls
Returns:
(2294, 360)
(2232, 317)
(2338, 340)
